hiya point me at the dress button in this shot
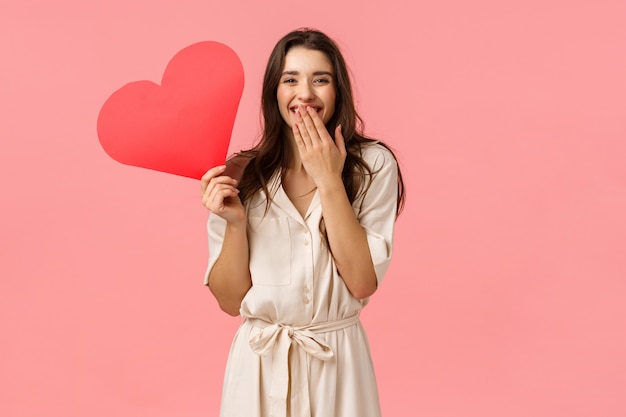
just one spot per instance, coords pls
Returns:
(306, 300)
(306, 242)
(306, 289)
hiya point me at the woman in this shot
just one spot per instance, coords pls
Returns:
(300, 235)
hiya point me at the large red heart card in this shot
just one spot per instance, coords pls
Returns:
(183, 126)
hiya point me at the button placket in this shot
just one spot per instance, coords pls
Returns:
(307, 295)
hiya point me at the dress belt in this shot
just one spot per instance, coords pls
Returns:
(277, 339)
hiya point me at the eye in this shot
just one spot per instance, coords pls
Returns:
(289, 81)
(321, 81)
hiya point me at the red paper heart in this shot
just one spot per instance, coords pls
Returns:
(183, 126)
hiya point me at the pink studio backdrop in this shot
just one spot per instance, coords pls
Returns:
(507, 293)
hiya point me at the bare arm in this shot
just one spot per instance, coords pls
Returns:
(229, 277)
(348, 241)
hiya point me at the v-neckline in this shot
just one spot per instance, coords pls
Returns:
(284, 202)
(312, 204)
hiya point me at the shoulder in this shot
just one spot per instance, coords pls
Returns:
(377, 156)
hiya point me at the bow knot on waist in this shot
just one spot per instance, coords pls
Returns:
(278, 336)
(277, 339)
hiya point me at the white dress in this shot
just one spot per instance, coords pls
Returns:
(301, 350)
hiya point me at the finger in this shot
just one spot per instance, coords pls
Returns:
(317, 124)
(215, 198)
(339, 140)
(309, 124)
(302, 129)
(298, 138)
(220, 182)
(217, 183)
(211, 173)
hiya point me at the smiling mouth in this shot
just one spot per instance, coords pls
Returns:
(295, 109)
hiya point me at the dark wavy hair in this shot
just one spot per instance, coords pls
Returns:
(273, 151)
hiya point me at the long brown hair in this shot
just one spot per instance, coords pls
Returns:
(273, 151)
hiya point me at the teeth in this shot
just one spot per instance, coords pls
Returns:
(296, 109)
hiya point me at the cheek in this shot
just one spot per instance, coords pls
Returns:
(332, 100)
(282, 100)
(282, 95)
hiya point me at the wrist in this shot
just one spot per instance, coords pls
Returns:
(331, 185)
(238, 224)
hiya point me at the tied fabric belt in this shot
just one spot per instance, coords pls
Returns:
(277, 339)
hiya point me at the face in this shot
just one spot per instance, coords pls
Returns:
(308, 79)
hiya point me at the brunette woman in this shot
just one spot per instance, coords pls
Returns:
(300, 236)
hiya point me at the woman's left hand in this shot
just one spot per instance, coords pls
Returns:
(322, 157)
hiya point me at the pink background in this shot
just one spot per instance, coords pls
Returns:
(507, 293)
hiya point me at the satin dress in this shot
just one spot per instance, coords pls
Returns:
(301, 350)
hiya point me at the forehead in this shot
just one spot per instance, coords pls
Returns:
(301, 59)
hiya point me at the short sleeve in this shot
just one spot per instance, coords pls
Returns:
(376, 208)
(216, 228)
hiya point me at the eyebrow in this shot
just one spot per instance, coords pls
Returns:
(314, 73)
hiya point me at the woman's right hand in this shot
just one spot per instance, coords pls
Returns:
(221, 196)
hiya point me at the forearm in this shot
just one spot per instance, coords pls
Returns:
(229, 279)
(347, 240)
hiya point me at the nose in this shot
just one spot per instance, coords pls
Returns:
(305, 92)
